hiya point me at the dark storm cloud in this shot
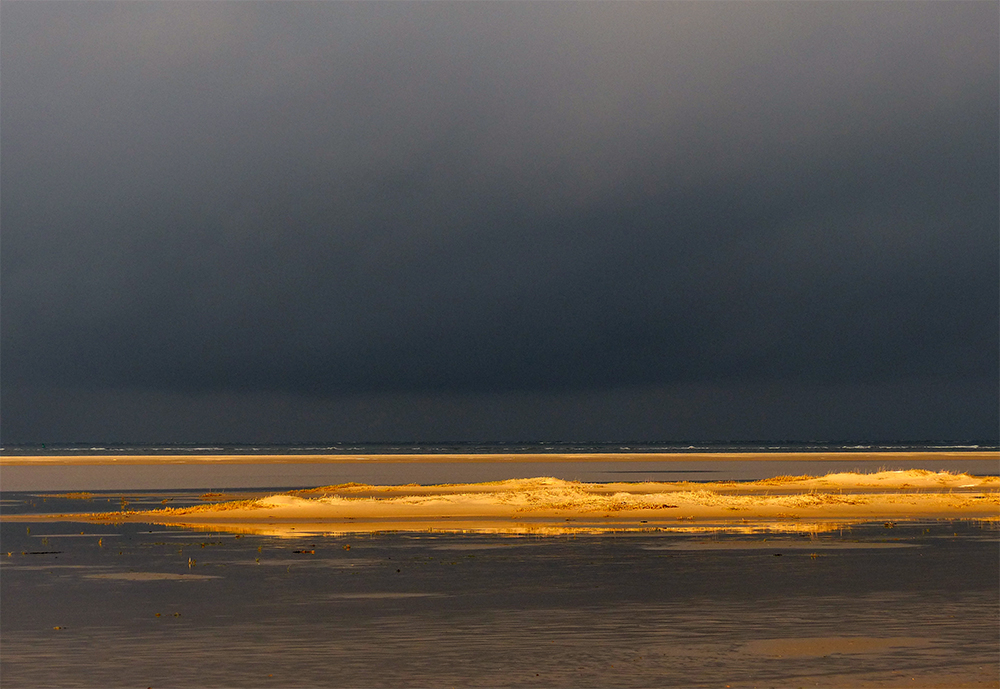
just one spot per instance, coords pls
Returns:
(335, 198)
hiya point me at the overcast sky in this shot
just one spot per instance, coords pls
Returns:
(329, 221)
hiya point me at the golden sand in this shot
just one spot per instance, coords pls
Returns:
(548, 505)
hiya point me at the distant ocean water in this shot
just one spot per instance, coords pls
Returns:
(451, 447)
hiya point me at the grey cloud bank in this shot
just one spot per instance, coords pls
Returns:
(365, 221)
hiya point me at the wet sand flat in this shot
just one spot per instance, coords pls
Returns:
(911, 606)
(240, 472)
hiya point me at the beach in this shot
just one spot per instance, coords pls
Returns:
(115, 604)
(266, 469)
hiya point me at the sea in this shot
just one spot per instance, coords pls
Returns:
(864, 604)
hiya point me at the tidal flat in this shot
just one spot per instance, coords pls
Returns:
(131, 604)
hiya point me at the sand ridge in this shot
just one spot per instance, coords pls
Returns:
(543, 502)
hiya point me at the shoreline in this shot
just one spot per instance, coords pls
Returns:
(473, 458)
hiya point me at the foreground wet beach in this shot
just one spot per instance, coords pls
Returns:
(134, 605)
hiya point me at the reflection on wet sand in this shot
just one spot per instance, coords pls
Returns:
(911, 604)
(296, 529)
(828, 645)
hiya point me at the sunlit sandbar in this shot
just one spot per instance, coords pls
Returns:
(549, 506)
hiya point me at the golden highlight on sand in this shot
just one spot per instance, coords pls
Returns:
(545, 505)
